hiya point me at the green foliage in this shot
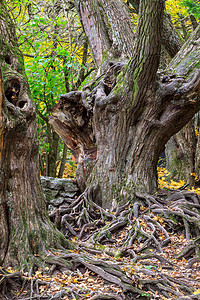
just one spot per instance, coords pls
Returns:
(145, 295)
(193, 7)
(50, 37)
(180, 16)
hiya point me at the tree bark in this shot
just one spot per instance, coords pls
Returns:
(182, 151)
(132, 111)
(103, 22)
(25, 228)
(193, 21)
(170, 39)
(179, 162)
(109, 29)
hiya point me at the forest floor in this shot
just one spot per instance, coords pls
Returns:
(149, 250)
(85, 284)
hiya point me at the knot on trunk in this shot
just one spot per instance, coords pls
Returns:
(72, 120)
(14, 90)
(17, 101)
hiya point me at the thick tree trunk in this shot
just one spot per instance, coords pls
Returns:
(25, 228)
(130, 114)
(180, 154)
(183, 154)
(183, 149)
(103, 22)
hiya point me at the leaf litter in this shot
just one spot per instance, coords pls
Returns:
(161, 261)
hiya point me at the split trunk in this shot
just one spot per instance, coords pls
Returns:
(120, 123)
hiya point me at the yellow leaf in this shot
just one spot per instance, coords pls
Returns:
(196, 292)
(195, 176)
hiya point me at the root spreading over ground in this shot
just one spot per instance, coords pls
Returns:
(146, 250)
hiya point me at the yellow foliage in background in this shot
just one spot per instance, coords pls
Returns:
(165, 183)
(174, 8)
(69, 171)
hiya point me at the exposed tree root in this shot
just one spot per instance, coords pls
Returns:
(149, 224)
(133, 248)
(105, 297)
(15, 286)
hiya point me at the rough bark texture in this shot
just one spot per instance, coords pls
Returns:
(129, 112)
(133, 111)
(102, 22)
(170, 39)
(183, 154)
(179, 162)
(109, 29)
(183, 149)
(25, 228)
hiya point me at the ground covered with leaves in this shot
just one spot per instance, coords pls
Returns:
(149, 249)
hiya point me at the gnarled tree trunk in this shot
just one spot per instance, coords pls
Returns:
(25, 228)
(180, 154)
(130, 112)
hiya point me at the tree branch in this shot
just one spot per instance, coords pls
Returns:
(170, 39)
(146, 53)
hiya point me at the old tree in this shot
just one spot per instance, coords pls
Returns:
(132, 109)
(116, 127)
